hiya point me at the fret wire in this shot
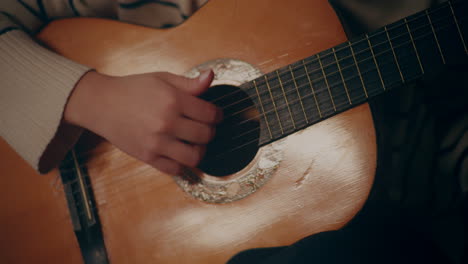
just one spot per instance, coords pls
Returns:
(274, 104)
(325, 89)
(358, 69)
(435, 36)
(326, 81)
(373, 57)
(341, 74)
(458, 27)
(286, 99)
(371, 49)
(238, 147)
(432, 11)
(313, 93)
(396, 83)
(375, 61)
(306, 68)
(338, 83)
(307, 73)
(220, 154)
(391, 85)
(394, 55)
(298, 94)
(414, 46)
(378, 70)
(263, 109)
(312, 88)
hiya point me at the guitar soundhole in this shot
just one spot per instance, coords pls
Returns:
(236, 140)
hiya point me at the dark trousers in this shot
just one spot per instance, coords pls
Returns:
(381, 235)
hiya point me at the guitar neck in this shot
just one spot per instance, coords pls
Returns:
(335, 80)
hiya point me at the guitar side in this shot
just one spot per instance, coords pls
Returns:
(323, 181)
(34, 219)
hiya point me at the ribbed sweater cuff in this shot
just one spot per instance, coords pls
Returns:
(36, 84)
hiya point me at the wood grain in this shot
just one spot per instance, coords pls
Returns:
(322, 182)
(35, 225)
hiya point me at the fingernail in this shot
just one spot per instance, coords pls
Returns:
(204, 75)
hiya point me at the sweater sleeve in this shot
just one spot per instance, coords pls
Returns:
(35, 83)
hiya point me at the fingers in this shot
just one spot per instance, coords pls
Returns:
(192, 106)
(180, 152)
(193, 132)
(171, 155)
(183, 143)
(167, 165)
(195, 86)
(186, 154)
(200, 110)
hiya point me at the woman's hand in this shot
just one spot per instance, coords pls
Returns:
(155, 117)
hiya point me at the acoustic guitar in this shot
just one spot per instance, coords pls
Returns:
(295, 155)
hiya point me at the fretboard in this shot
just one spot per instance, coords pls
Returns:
(335, 80)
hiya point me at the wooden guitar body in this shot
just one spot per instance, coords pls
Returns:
(321, 181)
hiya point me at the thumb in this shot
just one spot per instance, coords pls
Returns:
(195, 86)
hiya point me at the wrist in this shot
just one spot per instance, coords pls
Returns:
(84, 99)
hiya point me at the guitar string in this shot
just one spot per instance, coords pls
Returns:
(371, 35)
(339, 83)
(342, 92)
(110, 194)
(116, 180)
(95, 207)
(117, 193)
(217, 157)
(98, 164)
(336, 63)
(283, 106)
(324, 90)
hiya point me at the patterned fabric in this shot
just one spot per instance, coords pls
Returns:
(32, 15)
(36, 83)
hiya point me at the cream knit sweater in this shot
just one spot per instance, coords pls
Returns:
(35, 83)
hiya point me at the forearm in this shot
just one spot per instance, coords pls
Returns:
(35, 85)
(35, 82)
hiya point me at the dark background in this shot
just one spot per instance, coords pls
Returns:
(422, 139)
(418, 208)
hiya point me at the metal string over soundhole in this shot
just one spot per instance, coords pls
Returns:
(240, 127)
